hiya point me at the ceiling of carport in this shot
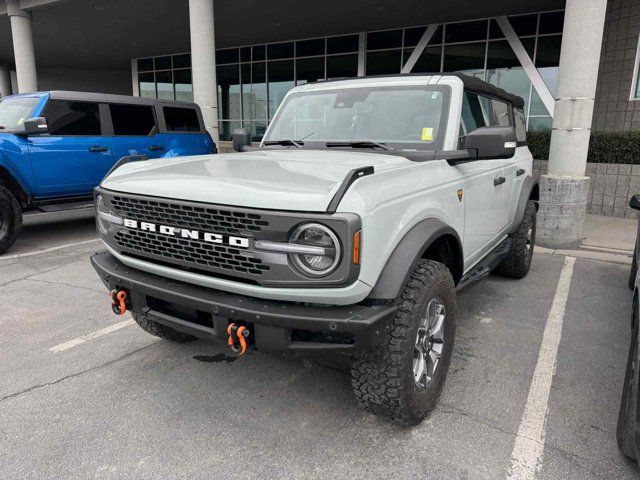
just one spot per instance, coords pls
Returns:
(106, 34)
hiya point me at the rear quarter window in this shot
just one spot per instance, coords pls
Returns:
(136, 120)
(179, 119)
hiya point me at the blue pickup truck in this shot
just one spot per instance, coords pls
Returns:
(55, 147)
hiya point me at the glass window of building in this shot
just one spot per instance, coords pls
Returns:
(466, 57)
(164, 84)
(254, 79)
(465, 31)
(384, 62)
(280, 80)
(182, 85)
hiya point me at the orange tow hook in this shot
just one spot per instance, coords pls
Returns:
(118, 301)
(237, 338)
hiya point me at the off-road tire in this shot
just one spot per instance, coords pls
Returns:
(382, 377)
(162, 331)
(625, 431)
(10, 219)
(634, 268)
(517, 262)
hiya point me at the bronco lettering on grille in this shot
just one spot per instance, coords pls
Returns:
(240, 242)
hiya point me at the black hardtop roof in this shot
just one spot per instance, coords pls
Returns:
(112, 98)
(471, 84)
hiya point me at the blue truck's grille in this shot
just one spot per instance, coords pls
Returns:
(188, 216)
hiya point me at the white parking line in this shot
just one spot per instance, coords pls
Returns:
(47, 250)
(90, 336)
(526, 457)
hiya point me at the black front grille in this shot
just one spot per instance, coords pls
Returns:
(188, 216)
(193, 252)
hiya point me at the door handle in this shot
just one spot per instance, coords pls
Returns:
(499, 181)
(153, 148)
(520, 171)
(97, 148)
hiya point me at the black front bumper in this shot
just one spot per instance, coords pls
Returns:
(275, 326)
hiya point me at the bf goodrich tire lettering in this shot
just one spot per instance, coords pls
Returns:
(383, 378)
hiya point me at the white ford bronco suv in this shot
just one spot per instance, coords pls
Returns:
(345, 234)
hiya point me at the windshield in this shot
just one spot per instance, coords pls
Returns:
(14, 111)
(400, 117)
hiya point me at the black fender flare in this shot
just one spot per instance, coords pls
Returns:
(410, 249)
(525, 195)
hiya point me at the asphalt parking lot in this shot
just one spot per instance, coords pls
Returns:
(86, 394)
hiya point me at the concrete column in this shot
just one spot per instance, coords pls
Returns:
(203, 63)
(5, 82)
(23, 47)
(563, 192)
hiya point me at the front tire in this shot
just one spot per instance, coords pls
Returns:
(158, 330)
(402, 379)
(518, 261)
(10, 219)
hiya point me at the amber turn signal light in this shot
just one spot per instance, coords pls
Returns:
(356, 248)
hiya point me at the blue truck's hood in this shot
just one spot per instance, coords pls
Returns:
(302, 180)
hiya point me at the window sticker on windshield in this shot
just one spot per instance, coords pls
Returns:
(20, 121)
(427, 134)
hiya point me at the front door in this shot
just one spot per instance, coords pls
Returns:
(483, 199)
(74, 156)
(486, 186)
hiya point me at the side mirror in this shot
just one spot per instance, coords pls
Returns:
(241, 139)
(634, 202)
(36, 126)
(492, 142)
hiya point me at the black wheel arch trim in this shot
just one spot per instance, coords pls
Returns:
(409, 250)
(15, 186)
(525, 195)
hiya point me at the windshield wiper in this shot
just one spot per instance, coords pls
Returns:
(359, 144)
(295, 143)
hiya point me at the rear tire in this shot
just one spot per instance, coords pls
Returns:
(158, 330)
(402, 378)
(625, 432)
(518, 261)
(10, 219)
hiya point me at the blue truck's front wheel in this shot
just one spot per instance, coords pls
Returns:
(10, 219)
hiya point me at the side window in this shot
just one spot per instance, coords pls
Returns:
(72, 118)
(136, 120)
(480, 111)
(521, 126)
(181, 119)
(472, 116)
(496, 112)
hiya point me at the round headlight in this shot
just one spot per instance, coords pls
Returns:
(316, 235)
(101, 207)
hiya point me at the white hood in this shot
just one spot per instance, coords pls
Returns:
(299, 180)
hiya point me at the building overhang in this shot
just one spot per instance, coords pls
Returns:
(108, 33)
